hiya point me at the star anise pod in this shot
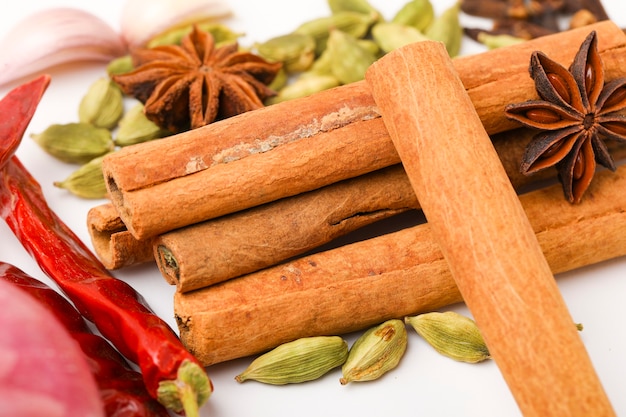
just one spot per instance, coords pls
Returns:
(577, 113)
(193, 84)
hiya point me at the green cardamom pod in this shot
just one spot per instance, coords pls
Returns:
(305, 85)
(280, 80)
(376, 352)
(451, 334)
(135, 127)
(350, 60)
(120, 65)
(323, 64)
(359, 6)
(447, 28)
(295, 50)
(298, 361)
(418, 14)
(76, 143)
(356, 24)
(87, 181)
(222, 34)
(103, 105)
(390, 36)
(371, 46)
(498, 41)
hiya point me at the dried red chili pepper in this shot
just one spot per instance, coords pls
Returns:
(170, 372)
(121, 388)
(17, 109)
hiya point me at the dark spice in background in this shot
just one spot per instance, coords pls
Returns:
(532, 19)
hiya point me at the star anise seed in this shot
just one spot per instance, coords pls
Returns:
(193, 84)
(576, 114)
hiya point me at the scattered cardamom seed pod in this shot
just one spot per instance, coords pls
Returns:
(87, 181)
(359, 6)
(371, 46)
(418, 14)
(305, 85)
(222, 34)
(298, 361)
(447, 28)
(354, 23)
(120, 65)
(135, 127)
(498, 41)
(295, 50)
(452, 335)
(323, 64)
(376, 352)
(350, 60)
(280, 80)
(103, 105)
(390, 36)
(76, 143)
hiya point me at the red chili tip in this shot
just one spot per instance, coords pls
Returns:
(17, 109)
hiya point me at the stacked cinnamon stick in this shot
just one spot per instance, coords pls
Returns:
(223, 208)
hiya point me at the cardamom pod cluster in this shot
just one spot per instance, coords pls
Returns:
(298, 361)
(337, 49)
(101, 114)
(376, 352)
(452, 335)
(319, 54)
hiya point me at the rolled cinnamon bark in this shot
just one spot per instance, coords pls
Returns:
(240, 243)
(487, 240)
(216, 250)
(208, 252)
(112, 242)
(281, 150)
(355, 286)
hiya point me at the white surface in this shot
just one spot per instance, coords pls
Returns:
(425, 383)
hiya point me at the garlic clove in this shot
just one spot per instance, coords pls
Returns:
(55, 36)
(142, 20)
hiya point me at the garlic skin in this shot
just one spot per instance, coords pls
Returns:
(55, 36)
(142, 20)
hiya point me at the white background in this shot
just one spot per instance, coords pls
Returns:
(425, 383)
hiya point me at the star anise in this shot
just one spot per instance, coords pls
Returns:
(576, 115)
(193, 84)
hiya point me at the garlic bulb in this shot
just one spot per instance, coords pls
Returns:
(55, 36)
(144, 19)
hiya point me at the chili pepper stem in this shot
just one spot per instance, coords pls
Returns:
(188, 392)
(188, 399)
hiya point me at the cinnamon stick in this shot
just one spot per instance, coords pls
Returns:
(281, 150)
(112, 242)
(216, 250)
(220, 249)
(487, 240)
(272, 233)
(355, 286)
